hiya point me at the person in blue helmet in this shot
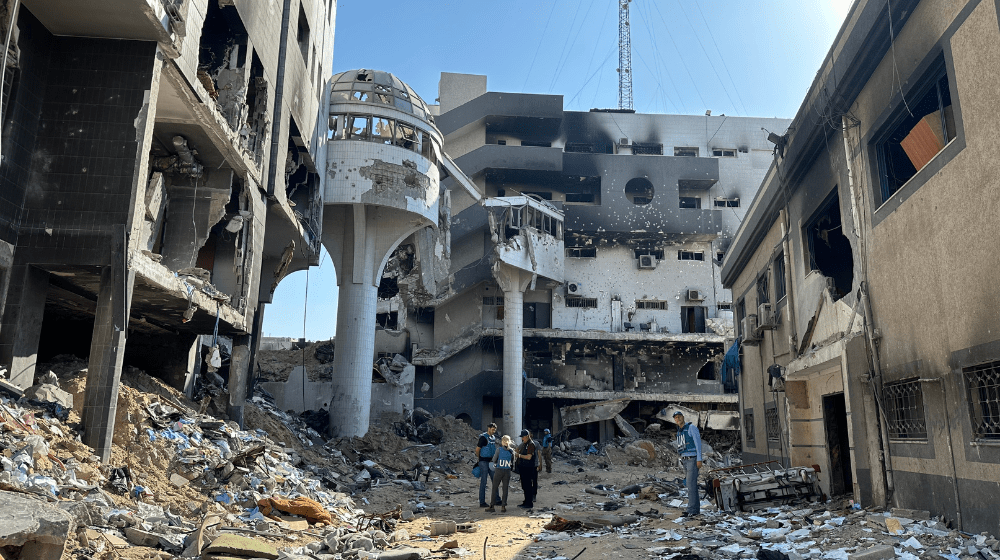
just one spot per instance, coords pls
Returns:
(689, 444)
(546, 451)
(486, 447)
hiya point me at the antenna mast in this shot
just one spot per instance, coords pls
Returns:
(624, 57)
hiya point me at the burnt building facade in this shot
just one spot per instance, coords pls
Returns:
(857, 355)
(590, 271)
(159, 177)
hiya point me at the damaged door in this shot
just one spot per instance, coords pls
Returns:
(838, 445)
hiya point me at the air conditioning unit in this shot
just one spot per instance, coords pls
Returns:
(695, 295)
(624, 142)
(765, 316)
(748, 328)
(647, 261)
(574, 288)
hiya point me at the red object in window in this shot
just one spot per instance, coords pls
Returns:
(924, 141)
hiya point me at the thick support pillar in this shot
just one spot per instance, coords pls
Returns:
(240, 370)
(26, 327)
(353, 359)
(107, 350)
(513, 282)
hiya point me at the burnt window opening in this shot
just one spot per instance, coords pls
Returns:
(727, 202)
(424, 315)
(707, 372)
(693, 319)
(581, 252)
(302, 35)
(685, 151)
(904, 409)
(388, 287)
(917, 132)
(582, 190)
(829, 249)
(581, 302)
(501, 142)
(741, 313)
(689, 202)
(982, 383)
(748, 428)
(579, 147)
(543, 195)
(690, 255)
(639, 191)
(222, 55)
(723, 152)
(536, 144)
(780, 289)
(763, 294)
(657, 253)
(642, 149)
(720, 256)
(256, 117)
(387, 321)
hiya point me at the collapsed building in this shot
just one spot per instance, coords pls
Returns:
(855, 354)
(590, 270)
(160, 176)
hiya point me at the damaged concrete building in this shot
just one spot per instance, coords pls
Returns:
(159, 170)
(589, 272)
(858, 355)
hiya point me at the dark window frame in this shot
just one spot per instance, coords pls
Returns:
(580, 302)
(683, 255)
(584, 252)
(982, 384)
(749, 429)
(906, 416)
(780, 278)
(772, 423)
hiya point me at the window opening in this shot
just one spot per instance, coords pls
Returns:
(639, 191)
(983, 385)
(303, 34)
(501, 142)
(690, 255)
(359, 128)
(693, 319)
(707, 371)
(723, 152)
(382, 130)
(685, 151)
(720, 256)
(640, 149)
(727, 202)
(904, 403)
(534, 144)
(829, 249)
(724, 306)
(689, 202)
(388, 321)
(748, 427)
(771, 424)
(763, 295)
(912, 141)
(579, 147)
(406, 136)
(741, 313)
(581, 252)
(779, 277)
(650, 304)
(658, 253)
(582, 302)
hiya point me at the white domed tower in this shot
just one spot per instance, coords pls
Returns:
(382, 185)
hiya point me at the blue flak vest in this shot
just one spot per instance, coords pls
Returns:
(547, 441)
(505, 459)
(491, 446)
(685, 435)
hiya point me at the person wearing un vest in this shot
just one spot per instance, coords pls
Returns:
(527, 454)
(485, 449)
(689, 444)
(504, 461)
(546, 451)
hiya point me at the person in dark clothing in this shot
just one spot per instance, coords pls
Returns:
(486, 447)
(689, 445)
(527, 454)
(504, 460)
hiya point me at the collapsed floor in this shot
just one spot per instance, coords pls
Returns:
(183, 482)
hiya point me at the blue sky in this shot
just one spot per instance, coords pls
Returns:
(738, 57)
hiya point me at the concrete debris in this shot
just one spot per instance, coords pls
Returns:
(31, 528)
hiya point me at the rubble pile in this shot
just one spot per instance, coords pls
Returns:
(316, 357)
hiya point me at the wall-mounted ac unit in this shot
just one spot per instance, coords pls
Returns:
(624, 142)
(574, 288)
(748, 328)
(647, 261)
(695, 295)
(765, 316)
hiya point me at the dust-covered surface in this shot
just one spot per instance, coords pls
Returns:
(316, 357)
(175, 468)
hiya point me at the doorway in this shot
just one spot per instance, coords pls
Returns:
(838, 444)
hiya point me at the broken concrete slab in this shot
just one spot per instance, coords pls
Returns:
(141, 538)
(32, 527)
(592, 412)
(404, 554)
(914, 514)
(236, 545)
(881, 552)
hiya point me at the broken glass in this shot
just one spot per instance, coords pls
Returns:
(362, 95)
(359, 128)
(404, 105)
(382, 130)
(406, 136)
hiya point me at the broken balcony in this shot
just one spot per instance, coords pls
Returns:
(527, 234)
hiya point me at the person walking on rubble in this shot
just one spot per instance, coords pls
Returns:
(504, 461)
(485, 449)
(689, 444)
(527, 455)
(546, 451)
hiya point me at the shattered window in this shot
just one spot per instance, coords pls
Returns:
(727, 203)
(690, 255)
(904, 409)
(362, 95)
(983, 385)
(639, 149)
(748, 427)
(382, 130)
(406, 136)
(686, 151)
(922, 127)
(693, 319)
(829, 249)
(639, 191)
(723, 152)
(336, 131)
(763, 295)
(741, 312)
(779, 277)
(359, 128)
(581, 252)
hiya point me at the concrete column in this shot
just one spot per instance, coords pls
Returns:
(26, 329)
(513, 282)
(240, 370)
(107, 350)
(353, 359)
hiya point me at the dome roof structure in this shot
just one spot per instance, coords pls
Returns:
(378, 88)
